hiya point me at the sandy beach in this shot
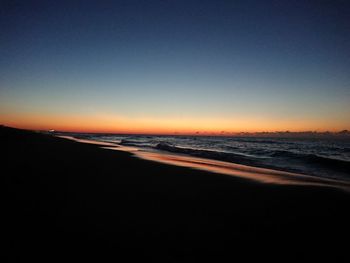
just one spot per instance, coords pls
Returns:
(71, 201)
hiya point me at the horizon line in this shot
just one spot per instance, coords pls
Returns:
(197, 133)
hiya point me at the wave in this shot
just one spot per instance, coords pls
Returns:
(216, 155)
(344, 150)
(260, 141)
(128, 142)
(309, 163)
(314, 159)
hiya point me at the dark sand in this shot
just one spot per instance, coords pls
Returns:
(68, 201)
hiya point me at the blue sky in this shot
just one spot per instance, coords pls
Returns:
(266, 60)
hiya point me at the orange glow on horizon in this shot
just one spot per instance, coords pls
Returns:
(105, 123)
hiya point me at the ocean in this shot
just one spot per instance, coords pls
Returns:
(320, 157)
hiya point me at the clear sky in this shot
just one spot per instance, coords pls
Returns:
(175, 66)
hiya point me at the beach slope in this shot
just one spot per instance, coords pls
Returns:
(69, 201)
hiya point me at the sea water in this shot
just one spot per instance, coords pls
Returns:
(324, 157)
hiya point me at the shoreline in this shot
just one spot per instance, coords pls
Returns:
(258, 174)
(69, 200)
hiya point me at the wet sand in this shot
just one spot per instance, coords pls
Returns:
(70, 201)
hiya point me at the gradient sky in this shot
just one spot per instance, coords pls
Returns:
(175, 66)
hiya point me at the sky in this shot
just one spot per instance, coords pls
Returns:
(175, 66)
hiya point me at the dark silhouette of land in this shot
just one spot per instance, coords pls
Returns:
(68, 201)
